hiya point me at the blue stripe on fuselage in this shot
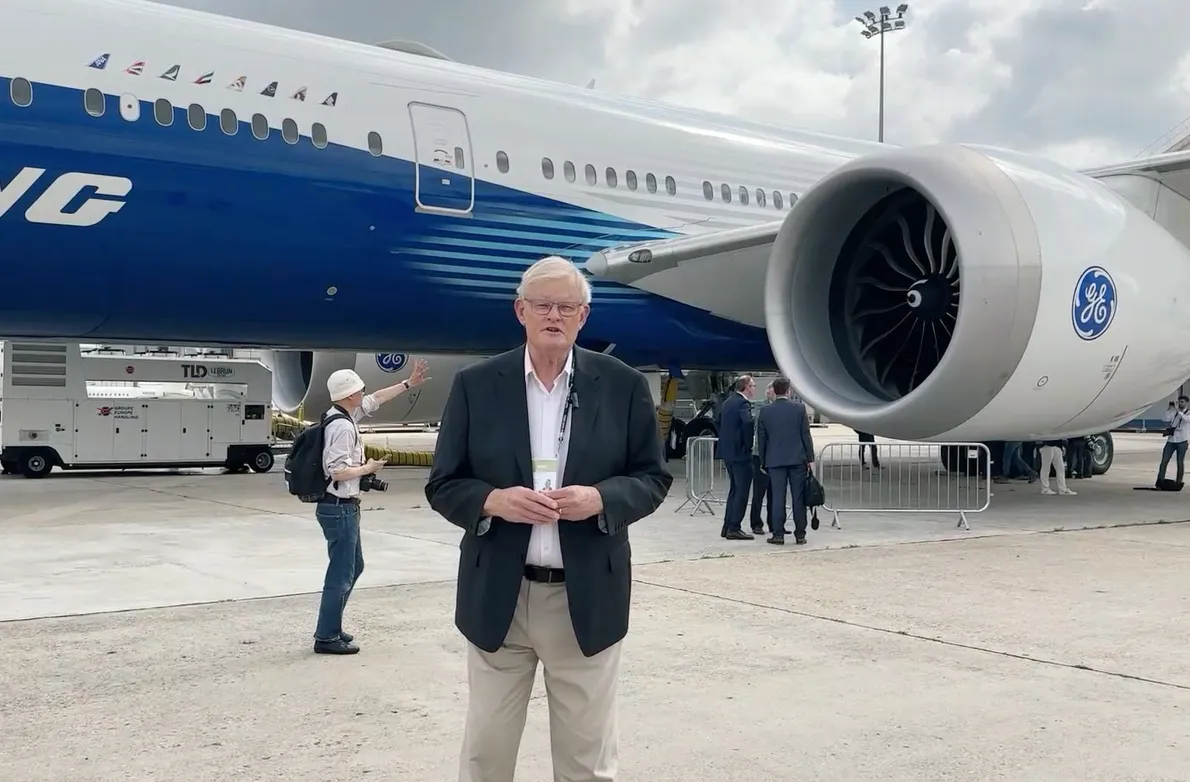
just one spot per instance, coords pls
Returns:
(233, 240)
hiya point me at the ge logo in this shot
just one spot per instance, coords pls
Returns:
(1094, 304)
(391, 362)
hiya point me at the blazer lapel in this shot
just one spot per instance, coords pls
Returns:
(513, 402)
(583, 415)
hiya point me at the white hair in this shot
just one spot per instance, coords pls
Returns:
(554, 267)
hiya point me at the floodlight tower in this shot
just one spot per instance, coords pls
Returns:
(878, 26)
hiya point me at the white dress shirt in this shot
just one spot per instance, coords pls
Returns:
(545, 420)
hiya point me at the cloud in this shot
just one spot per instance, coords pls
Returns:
(1083, 81)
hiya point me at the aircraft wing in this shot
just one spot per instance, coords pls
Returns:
(722, 271)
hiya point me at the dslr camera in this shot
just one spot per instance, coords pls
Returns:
(372, 483)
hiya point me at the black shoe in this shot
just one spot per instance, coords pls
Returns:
(337, 646)
(348, 637)
(776, 540)
(757, 529)
(801, 541)
(738, 534)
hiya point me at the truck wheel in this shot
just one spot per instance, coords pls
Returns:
(262, 461)
(36, 464)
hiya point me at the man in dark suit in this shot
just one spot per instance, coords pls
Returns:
(734, 447)
(786, 453)
(546, 454)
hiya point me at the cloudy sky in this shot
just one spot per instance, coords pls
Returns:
(1084, 81)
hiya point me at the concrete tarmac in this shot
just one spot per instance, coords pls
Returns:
(1046, 643)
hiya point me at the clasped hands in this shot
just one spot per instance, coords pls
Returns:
(526, 506)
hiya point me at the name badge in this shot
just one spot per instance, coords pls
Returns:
(545, 474)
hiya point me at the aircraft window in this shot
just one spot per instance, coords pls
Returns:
(610, 177)
(792, 198)
(21, 92)
(589, 170)
(671, 186)
(501, 162)
(375, 143)
(460, 161)
(163, 111)
(228, 122)
(568, 170)
(630, 177)
(651, 183)
(776, 199)
(260, 126)
(129, 107)
(318, 135)
(93, 102)
(547, 168)
(289, 131)
(759, 197)
(197, 116)
(743, 195)
(726, 192)
(708, 191)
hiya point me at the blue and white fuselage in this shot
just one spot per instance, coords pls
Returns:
(259, 186)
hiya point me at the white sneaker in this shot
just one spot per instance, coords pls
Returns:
(1068, 493)
(1048, 491)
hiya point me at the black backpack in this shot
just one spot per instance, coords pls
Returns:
(813, 495)
(303, 466)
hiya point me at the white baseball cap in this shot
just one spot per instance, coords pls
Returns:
(343, 383)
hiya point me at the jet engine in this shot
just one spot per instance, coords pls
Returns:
(965, 293)
(299, 382)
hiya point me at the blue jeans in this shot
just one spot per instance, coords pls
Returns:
(1169, 450)
(1012, 459)
(340, 527)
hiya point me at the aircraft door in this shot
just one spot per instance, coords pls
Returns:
(445, 174)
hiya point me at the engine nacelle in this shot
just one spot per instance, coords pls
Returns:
(299, 382)
(962, 293)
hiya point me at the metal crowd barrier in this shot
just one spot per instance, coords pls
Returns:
(911, 478)
(706, 476)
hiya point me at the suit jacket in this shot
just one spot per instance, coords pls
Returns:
(483, 444)
(783, 436)
(735, 429)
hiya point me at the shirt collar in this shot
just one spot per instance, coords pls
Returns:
(567, 368)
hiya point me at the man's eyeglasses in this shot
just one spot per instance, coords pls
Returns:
(566, 309)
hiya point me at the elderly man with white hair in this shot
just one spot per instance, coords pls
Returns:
(545, 456)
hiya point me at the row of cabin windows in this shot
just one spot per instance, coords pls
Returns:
(95, 103)
(612, 179)
(725, 192)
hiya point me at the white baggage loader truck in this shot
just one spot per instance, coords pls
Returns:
(169, 411)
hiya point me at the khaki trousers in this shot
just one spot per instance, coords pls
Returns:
(581, 692)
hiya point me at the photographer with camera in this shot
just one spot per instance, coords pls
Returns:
(338, 511)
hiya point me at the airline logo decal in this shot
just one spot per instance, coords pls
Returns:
(137, 68)
(391, 362)
(1093, 307)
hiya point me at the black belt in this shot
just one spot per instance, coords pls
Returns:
(545, 575)
(331, 499)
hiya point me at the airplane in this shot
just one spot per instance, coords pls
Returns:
(183, 177)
